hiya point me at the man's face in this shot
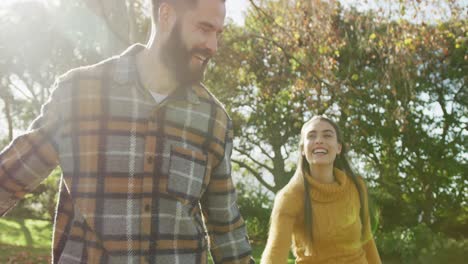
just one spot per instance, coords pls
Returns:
(193, 40)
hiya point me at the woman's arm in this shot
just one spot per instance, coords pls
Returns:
(282, 220)
(372, 254)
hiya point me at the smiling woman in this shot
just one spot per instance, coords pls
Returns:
(323, 209)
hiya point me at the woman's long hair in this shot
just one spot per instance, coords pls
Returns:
(341, 162)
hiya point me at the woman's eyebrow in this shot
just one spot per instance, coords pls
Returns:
(323, 131)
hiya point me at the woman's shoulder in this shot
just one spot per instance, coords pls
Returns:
(295, 186)
(292, 193)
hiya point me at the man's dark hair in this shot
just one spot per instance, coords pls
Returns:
(177, 3)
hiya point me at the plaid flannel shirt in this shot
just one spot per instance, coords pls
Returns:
(137, 176)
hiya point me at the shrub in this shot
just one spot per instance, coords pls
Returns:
(255, 206)
(419, 244)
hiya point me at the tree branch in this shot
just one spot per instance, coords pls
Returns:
(290, 56)
(254, 173)
(243, 152)
(258, 145)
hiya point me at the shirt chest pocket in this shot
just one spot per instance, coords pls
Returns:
(187, 173)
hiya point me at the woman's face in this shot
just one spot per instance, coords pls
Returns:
(320, 143)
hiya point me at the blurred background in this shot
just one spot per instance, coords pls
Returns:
(392, 74)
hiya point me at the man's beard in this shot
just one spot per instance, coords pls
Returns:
(177, 58)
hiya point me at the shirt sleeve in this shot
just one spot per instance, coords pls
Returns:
(228, 236)
(29, 158)
(283, 218)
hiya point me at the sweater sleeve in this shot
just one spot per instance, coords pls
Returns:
(283, 216)
(372, 255)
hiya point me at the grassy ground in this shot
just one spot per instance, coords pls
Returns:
(15, 248)
(14, 244)
(11, 232)
(24, 255)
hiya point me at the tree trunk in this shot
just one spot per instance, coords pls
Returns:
(26, 232)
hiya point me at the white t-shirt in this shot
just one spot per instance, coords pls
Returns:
(158, 97)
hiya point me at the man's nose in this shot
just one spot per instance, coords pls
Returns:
(212, 44)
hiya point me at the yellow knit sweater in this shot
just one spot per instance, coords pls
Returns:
(336, 224)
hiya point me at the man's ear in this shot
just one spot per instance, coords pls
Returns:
(167, 17)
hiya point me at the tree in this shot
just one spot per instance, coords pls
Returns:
(401, 73)
(279, 82)
(378, 75)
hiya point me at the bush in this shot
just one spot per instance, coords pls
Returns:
(419, 244)
(255, 206)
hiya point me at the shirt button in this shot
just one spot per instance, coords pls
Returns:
(150, 159)
(147, 208)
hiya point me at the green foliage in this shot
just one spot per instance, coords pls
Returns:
(395, 87)
(39, 204)
(255, 205)
(419, 244)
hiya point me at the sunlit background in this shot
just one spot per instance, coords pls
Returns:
(395, 69)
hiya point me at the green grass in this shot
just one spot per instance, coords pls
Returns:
(14, 246)
(12, 234)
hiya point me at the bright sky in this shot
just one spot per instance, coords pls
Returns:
(236, 8)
